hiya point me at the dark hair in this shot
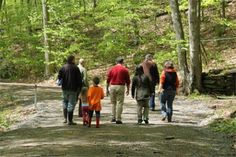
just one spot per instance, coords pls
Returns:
(169, 65)
(84, 90)
(70, 59)
(119, 60)
(96, 80)
(139, 70)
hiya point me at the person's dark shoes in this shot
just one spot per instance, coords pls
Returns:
(169, 118)
(163, 118)
(113, 120)
(97, 122)
(139, 122)
(146, 121)
(119, 122)
(152, 109)
(65, 115)
(71, 123)
(70, 118)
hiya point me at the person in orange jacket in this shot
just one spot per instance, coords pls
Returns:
(169, 83)
(95, 94)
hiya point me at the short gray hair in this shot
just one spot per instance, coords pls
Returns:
(169, 64)
(148, 57)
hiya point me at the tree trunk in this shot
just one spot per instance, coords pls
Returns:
(182, 59)
(94, 3)
(1, 4)
(195, 52)
(85, 8)
(223, 5)
(46, 46)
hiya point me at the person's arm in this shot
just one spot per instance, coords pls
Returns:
(127, 82)
(162, 81)
(102, 94)
(59, 77)
(79, 79)
(108, 82)
(86, 78)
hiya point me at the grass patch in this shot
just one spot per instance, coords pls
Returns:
(226, 126)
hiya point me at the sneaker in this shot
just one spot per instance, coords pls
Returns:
(113, 120)
(119, 122)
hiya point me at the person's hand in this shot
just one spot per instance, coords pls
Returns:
(127, 92)
(160, 91)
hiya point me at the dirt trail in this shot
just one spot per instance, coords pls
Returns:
(44, 134)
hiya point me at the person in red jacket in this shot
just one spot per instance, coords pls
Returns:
(117, 78)
(169, 83)
(95, 94)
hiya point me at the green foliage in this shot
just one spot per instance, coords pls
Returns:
(227, 126)
(100, 34)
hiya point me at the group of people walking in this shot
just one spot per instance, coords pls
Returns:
(75, 87)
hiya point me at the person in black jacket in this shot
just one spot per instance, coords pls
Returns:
(141, 90)
(150, 69)
(70, 78)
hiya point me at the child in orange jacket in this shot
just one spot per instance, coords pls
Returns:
(95, 94)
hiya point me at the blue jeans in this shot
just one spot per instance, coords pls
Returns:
(166, 102)
(152, 103)
(69, 100)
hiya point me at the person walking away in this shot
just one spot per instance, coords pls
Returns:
(95, 94)
(141, 90)
(150, 69)
(85, 83)
(71, 81)
(84, 105)
(169, 83)
(117, 78)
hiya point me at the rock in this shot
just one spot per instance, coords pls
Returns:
(169, 138)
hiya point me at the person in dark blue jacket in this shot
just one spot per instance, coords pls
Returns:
(71, 83)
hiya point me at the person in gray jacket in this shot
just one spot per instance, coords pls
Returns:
(141, 90)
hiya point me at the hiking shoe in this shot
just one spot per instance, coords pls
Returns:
(113, 120)
(119, 122)
(146, 121)
(152, 109)
(139, 122)
(65, 121)
(71, 123)
(163, 118)
(169, 119)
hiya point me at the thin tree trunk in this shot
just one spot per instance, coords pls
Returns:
(94, 3)
(46, 45)
(182, 59)
(1, 4)
(223, 5)
(85, 9)
(195, 52)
